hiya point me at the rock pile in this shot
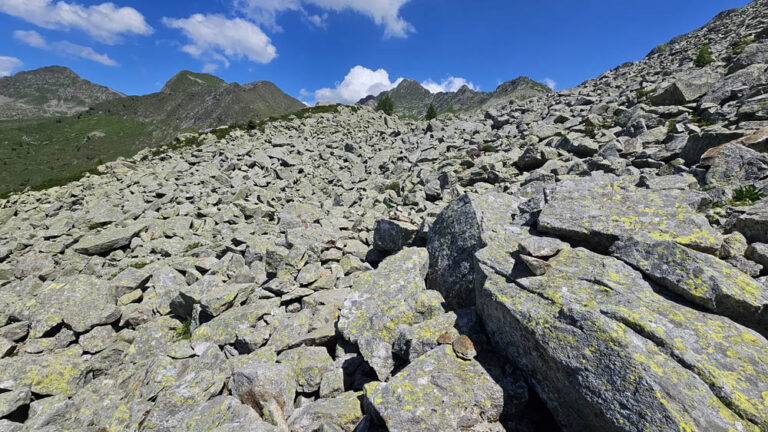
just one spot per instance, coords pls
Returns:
(594, 259)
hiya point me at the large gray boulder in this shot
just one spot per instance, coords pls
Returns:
(599, 210)
(108, 240)
(606, 352)
(685, 88)
(701, 279)
(438, 392)
(385, 301)
(752, 222)
(462, 229)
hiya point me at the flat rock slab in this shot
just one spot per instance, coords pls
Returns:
(600, 210)
(700, 278)
(59, 373)
(385, 299)
(108, 240)
(82, 302)
(592, 331)
(438, 392)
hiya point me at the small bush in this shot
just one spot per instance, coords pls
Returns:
(704, 57)
(431, 113)
(742, 44)
(644, 93)
(394, 186)
(746, 195)
(671, 126)
(185, 331)
(386, 105)
(488, 148)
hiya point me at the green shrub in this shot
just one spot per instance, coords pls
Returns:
(746, 195)
(394, 186)
(671, 126)
(185, 331)
(742, 44)
(431, 113)
(644, 93)
(704, 57)
(386, 105)
(488, 148)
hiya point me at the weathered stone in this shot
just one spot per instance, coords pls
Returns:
(382, 300)
(752, 222)
(268, 388)
(58, 373)
(97, 339)
(600, 210)
(592, 330)
(341, 413)
(108, 240)
(11, 401)
(686, 88)
(466, 395)
(62, 302)
(308, 365)
(758, 252)
(392, 236)
(460, 231)
(700, 278)
(223, 329)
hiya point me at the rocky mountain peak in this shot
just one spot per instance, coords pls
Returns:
(187, 81)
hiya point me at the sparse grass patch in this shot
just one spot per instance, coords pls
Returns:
(704, 57)
(742, 44)
(644, 93)
(488, 148)
(185, 331)
(746, 195)
(394, 186)
(671, 124)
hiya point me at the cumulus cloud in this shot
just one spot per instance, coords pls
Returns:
(359, 83)
(549, 82)
(8, 65)
(450, 84)
(35, 39)
(105, 22)
(383, 12)
(216, 38)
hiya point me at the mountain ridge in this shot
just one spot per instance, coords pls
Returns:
(411, 99)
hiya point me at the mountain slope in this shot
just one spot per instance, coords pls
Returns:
(49, 91)
(588, 267)
(38, 152)
(411, 99)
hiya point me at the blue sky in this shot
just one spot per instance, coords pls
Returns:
(341, 49)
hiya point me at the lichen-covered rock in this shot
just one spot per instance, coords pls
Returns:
(11, 401)
(438, 392)
(592, 330)
(385, 299)
(222, 330)
(268, 388)
(58, 373)
(461, 230)
(220, 413)
(752, 222)
(108, 240)
(392, 236)
(308, 365)
(341, 413)
(596, 211)
(700, 278)
(62, 302)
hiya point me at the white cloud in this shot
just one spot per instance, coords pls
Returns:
(359, 83)
(549, 82)
(210, 68)
(34, 39)
(31, 38)
(383, 12)
(105, 22)
(8, 65)
(450, 84)
(216, 38)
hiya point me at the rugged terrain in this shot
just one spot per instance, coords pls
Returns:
(588, 260)
(47, 92)
(412, 100)
(37, 150)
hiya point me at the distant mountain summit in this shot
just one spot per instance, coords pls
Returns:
(412, 99)
(192, 100)
(49, 91)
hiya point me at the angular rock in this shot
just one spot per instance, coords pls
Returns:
(108, 240)
(701, 279)
(11, 401)
(223, 329)
(600, 210)
(438, 392)
(591, 331)
(392, 236)
(58, 373)
(341, 413)
(461, 230)
(385, 299)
